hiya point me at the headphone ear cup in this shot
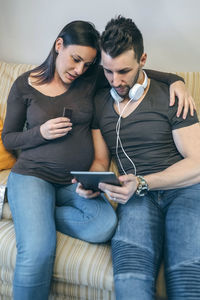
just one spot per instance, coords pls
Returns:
(136, 92)
(115, 96)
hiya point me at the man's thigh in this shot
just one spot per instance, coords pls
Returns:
(137, 247)
(182, 245)
(141, 222)
(182, 229)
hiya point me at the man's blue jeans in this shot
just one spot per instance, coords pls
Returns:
(39, 208)
(163, 223)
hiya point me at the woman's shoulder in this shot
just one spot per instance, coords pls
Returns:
(22, 79)
(20, 84)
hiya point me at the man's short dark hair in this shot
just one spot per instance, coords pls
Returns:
(121, 34)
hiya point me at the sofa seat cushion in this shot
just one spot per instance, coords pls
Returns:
(61, 291)
(4, 176)
(4, 207)
(78, 263)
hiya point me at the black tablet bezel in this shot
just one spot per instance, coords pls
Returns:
(90, 180)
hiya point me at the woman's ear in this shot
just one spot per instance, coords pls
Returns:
(58, 44)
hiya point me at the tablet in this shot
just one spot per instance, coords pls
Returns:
(90, 180)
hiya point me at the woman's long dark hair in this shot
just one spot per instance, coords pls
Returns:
(80, 33)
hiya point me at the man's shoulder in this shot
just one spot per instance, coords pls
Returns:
(159, 91)
(160, 86)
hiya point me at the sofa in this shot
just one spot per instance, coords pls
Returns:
(82, 271)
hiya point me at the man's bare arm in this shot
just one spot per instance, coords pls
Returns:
(181, 174)
(185, 172)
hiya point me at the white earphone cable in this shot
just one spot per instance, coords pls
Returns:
(118, 139)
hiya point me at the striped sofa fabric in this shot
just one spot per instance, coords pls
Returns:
(82, 270)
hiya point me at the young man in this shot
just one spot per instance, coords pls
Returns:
(158, 158)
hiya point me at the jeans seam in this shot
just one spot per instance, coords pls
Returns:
(134, 244)
(184, 263)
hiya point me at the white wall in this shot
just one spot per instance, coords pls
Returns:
(171, 28)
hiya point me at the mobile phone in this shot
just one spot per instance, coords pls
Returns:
(90, 180)
(67, 112)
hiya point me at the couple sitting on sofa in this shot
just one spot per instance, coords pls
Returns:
(150, 202)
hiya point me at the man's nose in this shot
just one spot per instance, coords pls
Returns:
(116, 80)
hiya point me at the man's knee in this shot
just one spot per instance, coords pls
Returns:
(134, 260)
(134, 271)
(183, 280)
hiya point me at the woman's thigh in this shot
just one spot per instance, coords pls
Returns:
(93, 220)
(32, 203)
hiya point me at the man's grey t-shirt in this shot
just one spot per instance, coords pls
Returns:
(146, 133)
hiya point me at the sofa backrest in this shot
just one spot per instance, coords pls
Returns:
(10, 71)
(192, 80)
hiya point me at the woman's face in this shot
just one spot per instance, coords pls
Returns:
(72, 61)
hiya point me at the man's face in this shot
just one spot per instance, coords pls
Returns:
(122, 71)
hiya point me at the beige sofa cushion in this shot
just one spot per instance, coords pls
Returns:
(87, 268)
(8, 73)
(192, 80)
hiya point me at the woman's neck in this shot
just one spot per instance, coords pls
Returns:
(54, 88)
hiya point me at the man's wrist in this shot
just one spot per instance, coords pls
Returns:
(142, 187)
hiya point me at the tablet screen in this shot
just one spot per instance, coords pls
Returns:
(90, 180)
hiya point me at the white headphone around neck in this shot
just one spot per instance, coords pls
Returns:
(135, 92)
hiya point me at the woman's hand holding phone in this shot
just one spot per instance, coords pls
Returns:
(55, 128)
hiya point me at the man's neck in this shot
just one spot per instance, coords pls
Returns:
(141, 77)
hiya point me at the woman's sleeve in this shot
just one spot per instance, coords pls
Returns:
(167, 78)
(14, 136)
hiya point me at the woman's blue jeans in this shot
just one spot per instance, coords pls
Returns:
(39, 208)
(161, 224)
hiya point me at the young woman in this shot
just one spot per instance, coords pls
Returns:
(41, 196)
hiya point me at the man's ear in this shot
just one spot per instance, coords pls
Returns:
(143, 59)
(58, 44)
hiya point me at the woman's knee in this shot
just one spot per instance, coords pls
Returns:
(101, 229)
(105, 225)
(106, 232)
(36, 252)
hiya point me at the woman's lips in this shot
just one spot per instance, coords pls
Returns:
(71, 77)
